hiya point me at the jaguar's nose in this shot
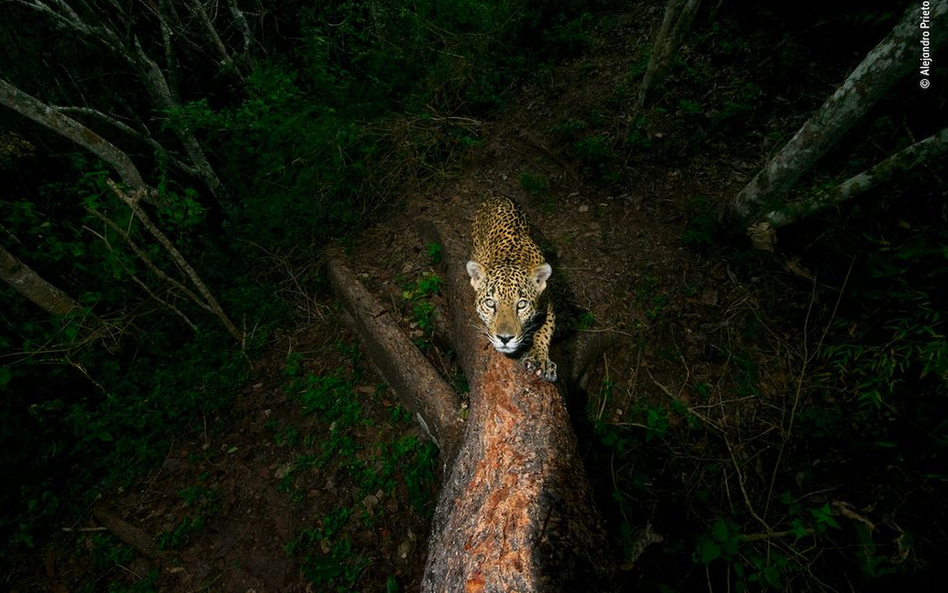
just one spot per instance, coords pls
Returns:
(504, 339)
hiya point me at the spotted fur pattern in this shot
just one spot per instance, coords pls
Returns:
(508, 273)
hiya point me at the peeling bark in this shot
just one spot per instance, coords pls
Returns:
(516, 512)
(405, 369)
(886, 64)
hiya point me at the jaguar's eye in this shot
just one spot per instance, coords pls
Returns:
(521, 304)
(489, 303)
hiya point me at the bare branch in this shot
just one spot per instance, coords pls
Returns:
(32, 286)
(147, 260)
(161, 93)
(168, 305)
(68, 18)
(179, 260)
(242, 25)
(224, 56)
(144, 137)
(41, 113)
(923, 151)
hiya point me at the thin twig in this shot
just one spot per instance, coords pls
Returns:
(146, 260)
(740, 482)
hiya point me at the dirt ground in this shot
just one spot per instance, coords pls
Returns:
(668, 316)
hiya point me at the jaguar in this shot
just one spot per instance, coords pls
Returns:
(509, 275)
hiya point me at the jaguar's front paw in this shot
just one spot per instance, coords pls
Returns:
(543, 368)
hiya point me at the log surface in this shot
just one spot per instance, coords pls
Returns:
(516, 512)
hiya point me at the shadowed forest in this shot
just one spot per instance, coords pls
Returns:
(744, 206)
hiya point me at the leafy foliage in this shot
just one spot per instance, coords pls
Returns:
(328, 556)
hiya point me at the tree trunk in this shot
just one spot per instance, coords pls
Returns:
(412, 377)
(888, 62)
(675, 24)
(922, 152)
(516, 512)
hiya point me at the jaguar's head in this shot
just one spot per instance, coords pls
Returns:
(506, 301)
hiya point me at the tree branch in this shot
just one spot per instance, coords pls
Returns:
(147, 261)
(417, 383)
(179, 260)
(43, 114)
(892, 59)
(923, 151)
(146, 138)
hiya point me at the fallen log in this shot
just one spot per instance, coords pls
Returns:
(422, 390)
(128, 534)
(516, 511)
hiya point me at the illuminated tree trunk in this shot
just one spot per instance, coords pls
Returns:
(515, 511)
(896, 56)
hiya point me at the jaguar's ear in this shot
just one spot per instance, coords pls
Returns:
(541, 274)
(477, 273)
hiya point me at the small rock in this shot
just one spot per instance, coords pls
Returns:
(282, 471)
(404, 550)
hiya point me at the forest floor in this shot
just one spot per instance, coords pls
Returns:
(693, 344)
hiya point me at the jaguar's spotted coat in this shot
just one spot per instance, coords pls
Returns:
(509, 274)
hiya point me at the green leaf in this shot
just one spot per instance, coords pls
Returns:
(772, 577)
(719, 530)
(708, 552)
(824, 516)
